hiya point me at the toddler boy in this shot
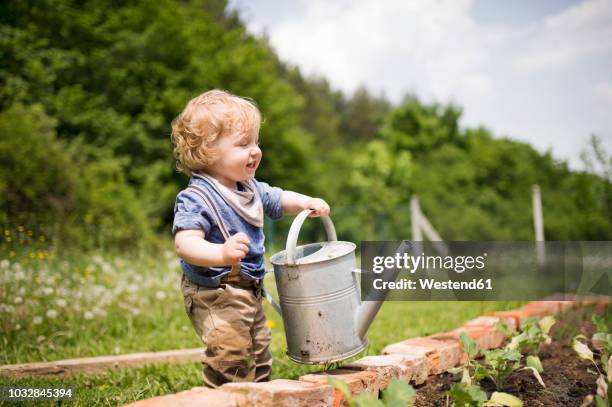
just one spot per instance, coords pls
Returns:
(218, 233)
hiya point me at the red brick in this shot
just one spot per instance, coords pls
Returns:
(358, 381)
(486, 337)
(485, 320)
(516, 315)
(198, 396)
(389, 366)
(440, 354)
(542, 308)
(282, 393)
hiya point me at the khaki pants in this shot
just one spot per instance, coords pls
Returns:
(231, 323)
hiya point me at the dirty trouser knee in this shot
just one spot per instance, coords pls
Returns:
(230, 322)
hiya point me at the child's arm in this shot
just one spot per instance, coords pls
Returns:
(191, 247)
(294, 203)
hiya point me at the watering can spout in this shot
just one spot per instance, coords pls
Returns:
(365, 315)
(369, 308)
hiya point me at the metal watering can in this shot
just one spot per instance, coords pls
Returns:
(320, 303)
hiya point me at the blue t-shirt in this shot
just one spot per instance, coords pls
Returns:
(191, 212)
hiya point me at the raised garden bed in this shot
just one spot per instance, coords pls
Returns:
(568, 379)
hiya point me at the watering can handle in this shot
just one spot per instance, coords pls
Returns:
(294, 231)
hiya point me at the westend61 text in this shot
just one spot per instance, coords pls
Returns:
(431, 284)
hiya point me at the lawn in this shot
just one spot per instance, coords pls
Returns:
(60, 304)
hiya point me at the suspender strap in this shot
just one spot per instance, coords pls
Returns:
(213, 208)
(216, 213)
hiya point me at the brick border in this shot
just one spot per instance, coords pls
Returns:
(412, 360)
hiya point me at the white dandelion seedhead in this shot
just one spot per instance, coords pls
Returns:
(5, 264)
(37, 320)
(18, 300)
(51, 313)
(88, 315)
(160, 295)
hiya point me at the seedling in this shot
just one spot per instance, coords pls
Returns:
(529, 341)
(603, 394)
(498, 365)
(397, 393)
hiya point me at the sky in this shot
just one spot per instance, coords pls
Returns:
(537, 71)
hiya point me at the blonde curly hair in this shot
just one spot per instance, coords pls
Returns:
(206, 118)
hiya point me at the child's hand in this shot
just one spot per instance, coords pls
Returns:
(319, 206)
(235, 248)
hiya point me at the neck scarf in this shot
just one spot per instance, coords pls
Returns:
(246, 203)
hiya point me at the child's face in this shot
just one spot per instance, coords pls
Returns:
(239, 157)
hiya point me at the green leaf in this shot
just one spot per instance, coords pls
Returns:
(469, 346)
(368, 399)
(582, 350)
(536, 374)
(515, 341)
(504, 399)
(546, 323)
(601, 402)
(480, 372)
(454, 370)
(463, 395)
(600, 323)
(399, 394)
(534, 361)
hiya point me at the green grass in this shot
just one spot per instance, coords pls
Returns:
(64, 305)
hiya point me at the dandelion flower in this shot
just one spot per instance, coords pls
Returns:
(17, 327)
(40, 338)
(47, 290)
(88, 315)
(135, 311)
(37, 320)
(4, 264)
(160, 295)
(18, 300)
(61, 302)
(19, 275)
(51, 313)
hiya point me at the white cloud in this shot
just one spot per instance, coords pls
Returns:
(504, 76)
(604, 91)
(432, 47)
(581, 31)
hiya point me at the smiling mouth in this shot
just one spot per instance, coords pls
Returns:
(252, 165)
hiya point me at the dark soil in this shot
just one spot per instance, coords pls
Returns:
(567, 378)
